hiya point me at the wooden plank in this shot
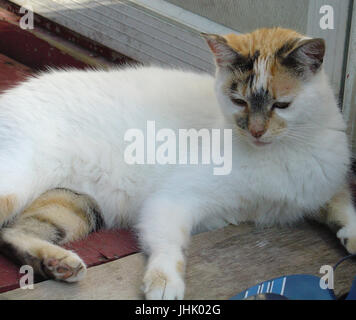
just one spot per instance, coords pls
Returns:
(11, 72)
(226, 262)
(131, 29)
(29, 49)
(221, 263)
(108, 281)
(9, 275)
(104, 246)
(40, 48)
(57, 36)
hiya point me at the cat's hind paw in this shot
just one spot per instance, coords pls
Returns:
(68, 267)
(159, 285)
(347, 236)
(47, 259)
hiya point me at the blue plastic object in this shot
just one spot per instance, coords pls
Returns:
(293, 287)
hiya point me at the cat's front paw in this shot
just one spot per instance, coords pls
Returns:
(163, 279)
(347, 236)
(159, 285)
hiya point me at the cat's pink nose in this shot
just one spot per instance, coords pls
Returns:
(257, 133)
(257, 125)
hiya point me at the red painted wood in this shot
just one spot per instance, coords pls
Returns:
(9, 275)
(105, 246)
(96, 49)
(26, 48)
(11, 72)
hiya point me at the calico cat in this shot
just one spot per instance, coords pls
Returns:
(63, 173)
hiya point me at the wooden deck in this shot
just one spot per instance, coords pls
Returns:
(221, 264)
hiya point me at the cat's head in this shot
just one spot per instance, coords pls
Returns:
(260, 76)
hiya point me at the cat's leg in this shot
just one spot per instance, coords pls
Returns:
(165, 229)
(56, 217)
(340, 215)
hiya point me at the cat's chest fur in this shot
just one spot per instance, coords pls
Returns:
(281, 186)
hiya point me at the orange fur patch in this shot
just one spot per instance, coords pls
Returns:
(7, 207)
(282, 83)
(56, 200)
(62, 209)
(267, 42)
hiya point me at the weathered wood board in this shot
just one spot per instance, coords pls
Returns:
(221, 263)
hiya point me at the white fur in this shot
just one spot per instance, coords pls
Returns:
(66, 129)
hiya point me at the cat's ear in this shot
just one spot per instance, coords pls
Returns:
(307, 57)
(224, 55)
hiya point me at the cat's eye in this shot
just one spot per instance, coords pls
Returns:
(281, 105)
(239, 102)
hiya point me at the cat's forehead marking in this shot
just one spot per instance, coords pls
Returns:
(263, 48)
(260, 75)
